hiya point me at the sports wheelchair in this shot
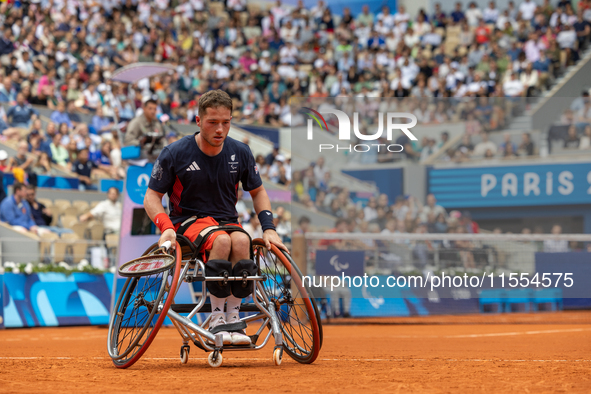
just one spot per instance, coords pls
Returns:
(281, 303)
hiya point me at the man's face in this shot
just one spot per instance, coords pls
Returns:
(83, 156)
(113, 195)
(20, 99)
(150, 111)
(215, 125)
(30, 195)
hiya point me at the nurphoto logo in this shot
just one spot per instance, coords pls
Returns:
(344, 133)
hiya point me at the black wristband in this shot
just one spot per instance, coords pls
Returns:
(266, 219)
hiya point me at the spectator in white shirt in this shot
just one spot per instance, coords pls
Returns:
(567, 38)
(484, 145)
(513, 87)
(386, 17)
(491, 14)
(554, 245)
(402, 16)
(473, 14)
(108, 212)
(527, 10)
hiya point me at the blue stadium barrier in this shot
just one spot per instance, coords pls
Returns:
(492, 297)
(106, 184)
(551, 296)
(516, 297)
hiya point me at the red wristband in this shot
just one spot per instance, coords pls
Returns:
(162, 221)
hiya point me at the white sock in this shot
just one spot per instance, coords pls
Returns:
(233, 306)
(217, 305)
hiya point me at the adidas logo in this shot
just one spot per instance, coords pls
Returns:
(193, 167)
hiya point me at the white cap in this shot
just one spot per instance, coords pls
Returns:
(280, 158)
(3, 155)
(265, 54)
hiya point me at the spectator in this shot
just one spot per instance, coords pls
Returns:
(83, 167)
(556, 245)
(59, 154)
(572, 140)
(16, 211)
(485, 145)
(431, 208)
(60, 115)
(7, 90)
(513, 87)
(21, 163)
(108, 212)
(41, 214)
(146, 131)
(22, 113)
(527, 146)
(100, 123)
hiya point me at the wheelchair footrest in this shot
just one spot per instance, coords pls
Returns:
(187, 308)
(230, 327)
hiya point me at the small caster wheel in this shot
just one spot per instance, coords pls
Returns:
(215, 360)
(185, 354)
(277, 356)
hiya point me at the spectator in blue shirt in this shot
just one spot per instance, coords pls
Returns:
(16, 211)
(60, 115)
(41, 214)
(7, 91)
(458, 15)
(6, 44)
(101, 123)
(83, 167)
(22, 113)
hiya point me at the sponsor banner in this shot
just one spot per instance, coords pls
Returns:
(528, 185)
(336, 263)
(55, 299)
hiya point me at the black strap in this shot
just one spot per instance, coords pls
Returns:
(208, 231)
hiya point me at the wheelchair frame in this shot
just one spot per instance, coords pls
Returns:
(266, 310)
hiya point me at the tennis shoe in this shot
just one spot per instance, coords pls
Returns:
(217, 320)
(239, 338)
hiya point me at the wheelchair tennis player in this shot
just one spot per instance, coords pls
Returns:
(201, 174)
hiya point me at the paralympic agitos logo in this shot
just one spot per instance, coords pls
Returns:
(345, 129)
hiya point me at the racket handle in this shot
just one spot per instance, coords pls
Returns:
(166, 245)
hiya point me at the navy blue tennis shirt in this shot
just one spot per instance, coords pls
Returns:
(201, 185)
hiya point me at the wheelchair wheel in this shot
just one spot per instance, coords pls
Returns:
(136, 318)
(295, 307)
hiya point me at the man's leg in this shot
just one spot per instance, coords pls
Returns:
(240, 252)
(219, 251)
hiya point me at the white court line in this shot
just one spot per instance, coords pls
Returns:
(323, 359)
(501, 334)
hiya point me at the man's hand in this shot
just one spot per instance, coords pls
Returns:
(168, 235)
(271, 237)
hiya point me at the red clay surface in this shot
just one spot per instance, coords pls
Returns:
(540, 353)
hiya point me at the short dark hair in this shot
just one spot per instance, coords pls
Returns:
(113, 187)
(150, 101)
(304, 219)
(31, 187)
(17, 186)
(214, 99)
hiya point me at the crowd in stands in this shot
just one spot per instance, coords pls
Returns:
(573, 129)
(314, 188)
(64, 52)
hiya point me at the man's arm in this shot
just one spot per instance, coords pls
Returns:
(153, 207)
(133, 134)
(260, 201)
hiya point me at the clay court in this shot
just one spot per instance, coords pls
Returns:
(545, 352)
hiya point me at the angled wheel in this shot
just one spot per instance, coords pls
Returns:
(296, 308)
(142, 305)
